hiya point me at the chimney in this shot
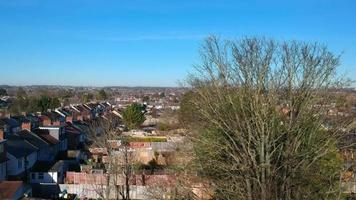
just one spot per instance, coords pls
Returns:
(69, 119)
(2, 136)
(26, 126)
(56, 123)
(80, 118)
(46, 122)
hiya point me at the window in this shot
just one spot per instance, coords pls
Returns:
(19, 164)
(33, 176)
(40, 176)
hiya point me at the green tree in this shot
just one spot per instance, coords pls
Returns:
(102, 95)
(244, 144)
(44, 103)
(162, 95)
(33, 105)
(87, 97)
(54, 103)
(133, 116)
(3, 92)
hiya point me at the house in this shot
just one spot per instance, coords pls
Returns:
(3, 157)
(14, 190)
(75, 136)
(10, 125)
(66, 113)
(34, 120)
(82, 125)
(22, 156)
(74, 113)
(57, 132)
(84, 112)
(44, 149)
(53, 142)
(24, 123)
(92, 107)
(52, 118)
(3, 104)
(46, 172)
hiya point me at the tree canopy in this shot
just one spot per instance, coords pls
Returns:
(3, 92)
(87, 97)
(133, 116)
(102, 95)
(34, 104)
(254, 123)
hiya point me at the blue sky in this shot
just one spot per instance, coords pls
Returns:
(152, 42)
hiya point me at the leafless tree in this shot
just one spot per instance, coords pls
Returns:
(105, 134)
(260, 130)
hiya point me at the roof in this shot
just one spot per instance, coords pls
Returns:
(43, 166)
(72, 129)
(82, 109)
(54, 116)
(44, 134)
(10, 122)
(33, 139)
(18, 147)
(21, 119)
(8, 189)
(49, 139)
(68, 110)
(82, 125)
(33, 118)
(98, 151)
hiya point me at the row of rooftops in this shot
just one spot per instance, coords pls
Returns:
(55, 117)
(24, 134)
(25, 142)
(28, 133)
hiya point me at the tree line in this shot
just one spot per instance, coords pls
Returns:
(34, 104)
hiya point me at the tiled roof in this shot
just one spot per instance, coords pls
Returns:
(33, 139)
(49, 139)
(21, 119)
(70, 128)
(44, 134)
(10, 122)
(18, 147)
(33, 118)
(8, 189)
(44, 166)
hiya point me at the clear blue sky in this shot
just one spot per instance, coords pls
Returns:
(151, 42)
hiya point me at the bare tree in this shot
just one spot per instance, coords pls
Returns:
(105, 134)
(259, 110)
